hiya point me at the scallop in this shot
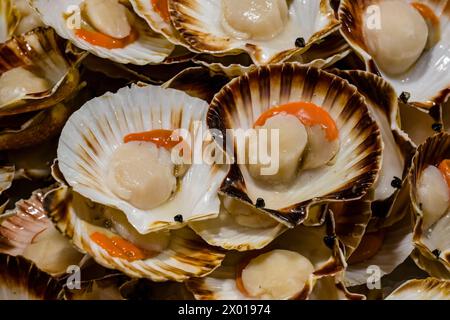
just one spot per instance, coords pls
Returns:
(427, 177)
(303, 256)
(126, 39)
(9, 18)
(266, 30)
(35, 73)
(159, 256)
(406, 41)
(280, 89)
(26, 231)
(94, 157)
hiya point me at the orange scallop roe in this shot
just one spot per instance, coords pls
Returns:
(308, 113)
(102, 40)
(426, 12)
(444, 168)
(161, 137)
(119, 247)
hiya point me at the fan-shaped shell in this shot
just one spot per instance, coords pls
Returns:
(428, 81)
(199, 23)
(308, 241)
(186, 255)
(26, 231)
(239, 104)
(42, 50)
(98, 128)
(150, 47)
(432, 242)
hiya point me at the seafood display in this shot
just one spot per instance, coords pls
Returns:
(224, 150)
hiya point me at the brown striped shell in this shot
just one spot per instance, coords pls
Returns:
(239, 104)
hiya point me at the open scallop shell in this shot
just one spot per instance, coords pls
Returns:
(398, 149)
(29, 233)
(308, 241)
(9, 18)
(43, 51)
(431, 265)
(186, 255)
(22, 280)
(433, 243)
(150, 47)
(396, 248)
(199, 23)
(240, 103)
(225, 232)
(428, 81)
(424, 289)
(147, 12)
(98, 128)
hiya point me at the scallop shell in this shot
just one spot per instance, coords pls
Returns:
(149, 48)
(225, 232)
(199, 23)
(331, 288)
(308, 241)
(433, 243)
(97, 129)
(186, 256)
(396, 248)
(22, 280)
(29, 233)
(42, 50)
(432, 266)
(9, 18)
(230, 65)
(398, 149)
(432, 67)
(145, 10)
(357, 164)
(424, 289)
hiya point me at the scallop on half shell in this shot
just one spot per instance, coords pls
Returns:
(314, 250)
(161, 256)
(266, 30)
(430, 204)
(26, 231)
(36, 72)
(348, 176)
(416, 62)
(92, 150)
(141, 46)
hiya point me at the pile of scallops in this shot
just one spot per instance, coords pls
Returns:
(225, 149)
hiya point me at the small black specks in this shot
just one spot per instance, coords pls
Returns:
(437, 253)
(300, 42)
(260, 203)
(437, 127)
(329, 241)
(404, 97)
(396, 183)
(178, 218)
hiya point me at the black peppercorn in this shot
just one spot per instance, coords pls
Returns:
(260, 203)
(437, 253)
(437, 127)
(404, 97)
(396, 183)
(300, 42)
(178, 218)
